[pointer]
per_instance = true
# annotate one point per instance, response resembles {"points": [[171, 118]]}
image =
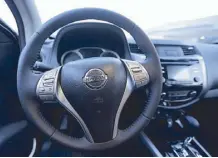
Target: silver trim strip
{"points": [[65, 103], [33, 148], [77, 51], [150, 145], [102, 49], [128, 90], [130, 86], [70, 52], [108, 52], [200, 146]]}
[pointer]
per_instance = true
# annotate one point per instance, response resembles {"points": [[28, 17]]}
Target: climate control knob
{"points": [[197, 79]]}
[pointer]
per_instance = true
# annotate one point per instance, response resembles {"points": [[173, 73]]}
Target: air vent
{"points": [[188, 50], [135, 49]]}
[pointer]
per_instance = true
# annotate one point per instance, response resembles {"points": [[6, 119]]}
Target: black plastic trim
{"points": [[8, 31], [153, 149], [19, 21], [10, 130]]}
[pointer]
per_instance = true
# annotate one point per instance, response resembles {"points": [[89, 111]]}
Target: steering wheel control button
{"points": [[51, 80], [192, 94], [49, 75], [47, 98], [48, 84], [45, 88], [41, 90], [138, 73], [136, 69]]}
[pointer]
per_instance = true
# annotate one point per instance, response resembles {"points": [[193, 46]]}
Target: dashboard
{"points": [[186, 66]]}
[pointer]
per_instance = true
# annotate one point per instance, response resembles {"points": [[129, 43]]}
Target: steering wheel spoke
{"points": [[127, 92], [49, 91], [137, 76]]}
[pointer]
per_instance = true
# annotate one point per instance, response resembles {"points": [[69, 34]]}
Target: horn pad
{"points": [[95, 87]]}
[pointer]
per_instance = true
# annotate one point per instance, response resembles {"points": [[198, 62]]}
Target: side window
{"points": [[7, 16]]}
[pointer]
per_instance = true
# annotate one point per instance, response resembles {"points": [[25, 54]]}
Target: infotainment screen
{"points": [[178, 73]]}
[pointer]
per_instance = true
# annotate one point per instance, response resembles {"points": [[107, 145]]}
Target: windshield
{"points": [[6, 15], [182, 19]]}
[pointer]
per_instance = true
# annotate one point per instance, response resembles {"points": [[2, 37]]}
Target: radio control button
{"points": [[192, 94], [164, 103], [49, 75], [47, 98], [163, 95]]}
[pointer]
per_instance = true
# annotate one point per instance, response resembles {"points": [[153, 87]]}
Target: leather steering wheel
{"points": [[76, 84]]}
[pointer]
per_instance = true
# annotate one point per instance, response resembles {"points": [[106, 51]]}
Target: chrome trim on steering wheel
{"points": [[56, 94], [137, 76], [127, 92]]}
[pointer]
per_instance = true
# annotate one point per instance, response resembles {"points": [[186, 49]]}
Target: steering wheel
{"points": [[77, 85]]}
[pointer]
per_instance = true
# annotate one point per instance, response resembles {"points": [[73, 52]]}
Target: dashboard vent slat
{"points": [[188, 50], [135, 49]]}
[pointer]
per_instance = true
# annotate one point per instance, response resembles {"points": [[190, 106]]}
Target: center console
{"points": [[184, 75], [183, 80], [177, 138], [189, 147]]}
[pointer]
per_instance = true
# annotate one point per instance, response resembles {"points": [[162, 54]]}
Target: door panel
{"points": [[9, 52]]}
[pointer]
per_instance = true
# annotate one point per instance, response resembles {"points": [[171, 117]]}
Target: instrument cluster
{"points": [[86, 52]]}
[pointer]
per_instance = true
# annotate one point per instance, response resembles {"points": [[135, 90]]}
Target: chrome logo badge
{"points": [[95, 79]]}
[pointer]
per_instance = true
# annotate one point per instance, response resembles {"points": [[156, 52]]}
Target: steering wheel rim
{"points": [[27, 91]]}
